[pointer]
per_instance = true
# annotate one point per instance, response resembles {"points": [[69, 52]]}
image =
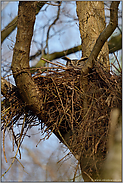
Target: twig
{"points": [[16, 150], [63, 157], [75, 171], [60, 63], [88, 176], [58, 13], [52, 63], [53, 4], [118, 62], [116, 68], [63, 140], [59, 95], [72, 105], [4, 145]]}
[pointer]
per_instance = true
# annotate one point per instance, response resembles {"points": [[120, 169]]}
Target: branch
{"points": [[114, 44], [57, 55], [28, 89], [103, 37], [13, 24], [58, 13], [8, 29]]}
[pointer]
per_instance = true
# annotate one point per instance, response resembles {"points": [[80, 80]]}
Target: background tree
{"points": [[30, 92]]}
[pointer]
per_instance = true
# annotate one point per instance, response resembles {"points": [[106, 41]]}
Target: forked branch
{"points": [[103, 37]]}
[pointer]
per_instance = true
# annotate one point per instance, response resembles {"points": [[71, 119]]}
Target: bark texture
{"points": [[20, 63], [91, 23], [29, 89], [92, 26]]}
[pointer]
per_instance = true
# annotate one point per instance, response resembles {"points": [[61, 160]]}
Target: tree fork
{"points": [[20, 63]]}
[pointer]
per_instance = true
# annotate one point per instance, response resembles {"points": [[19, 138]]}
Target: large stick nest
{"points": [[63, 106]]}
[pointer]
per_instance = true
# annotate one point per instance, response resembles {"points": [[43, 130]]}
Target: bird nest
{"points": [[63, 105]]}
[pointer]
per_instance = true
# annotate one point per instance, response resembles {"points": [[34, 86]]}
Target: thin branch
{"points": [[13, 24], [15, 153], [4, 145], [58, 13], [119, 71], [113, 44], [57, 55], [8, 29], [118, 62], [88, 176]]}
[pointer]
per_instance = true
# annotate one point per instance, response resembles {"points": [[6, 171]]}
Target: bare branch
{"points": [[13, 24], [8, 29], [58, 13], [57, 55], [114, 44]]}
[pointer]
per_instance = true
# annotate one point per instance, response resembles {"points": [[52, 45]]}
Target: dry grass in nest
{"points": [[63, 106]]}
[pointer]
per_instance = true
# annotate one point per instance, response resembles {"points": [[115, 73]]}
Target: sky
{"points": [[8, 13], [67, 38]]}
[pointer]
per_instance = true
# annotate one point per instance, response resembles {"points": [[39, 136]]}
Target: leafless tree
{"points": [[75, 103]]}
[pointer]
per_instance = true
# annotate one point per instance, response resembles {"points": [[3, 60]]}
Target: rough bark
{"points": [[20, 68], [20, 63], [28, 89], [103, 36], [91, 25], [114, 44]]}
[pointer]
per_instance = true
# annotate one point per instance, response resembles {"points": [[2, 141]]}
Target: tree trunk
{"points": [[29, 90], [91, 23]]}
